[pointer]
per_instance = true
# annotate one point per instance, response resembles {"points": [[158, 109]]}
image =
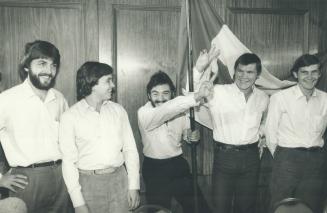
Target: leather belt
{"points": [[99, 171], [224, 146], [45, 164], [306, 149]]}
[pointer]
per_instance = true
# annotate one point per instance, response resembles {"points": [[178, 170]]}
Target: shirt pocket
{"points": [[319, 123]]}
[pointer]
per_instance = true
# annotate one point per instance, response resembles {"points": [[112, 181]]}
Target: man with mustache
{"points": [[162, 123], [296, 122], [236, 115], [100, 158], [29, 119]]}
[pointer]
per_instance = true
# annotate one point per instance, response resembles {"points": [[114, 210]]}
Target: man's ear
{"points": [[26, 69], [149, 97], [294, 74]]}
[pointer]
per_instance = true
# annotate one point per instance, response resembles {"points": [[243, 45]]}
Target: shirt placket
{"points": [[244, 112]]}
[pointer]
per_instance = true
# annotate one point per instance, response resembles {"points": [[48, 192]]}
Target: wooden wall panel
{"points": [[138, 38], [143, 50], [62, 23]]}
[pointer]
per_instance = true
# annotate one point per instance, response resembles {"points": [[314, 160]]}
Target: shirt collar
{"points": [[86, 107], [298, 93], [29, 93], [254, 89]]}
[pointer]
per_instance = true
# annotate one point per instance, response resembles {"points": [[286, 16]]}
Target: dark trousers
{"points": [[45, 192], [235, 179], [169, 178], [299, 174]]}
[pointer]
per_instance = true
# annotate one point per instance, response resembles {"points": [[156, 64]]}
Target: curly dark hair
{"points": [[160, 78]]}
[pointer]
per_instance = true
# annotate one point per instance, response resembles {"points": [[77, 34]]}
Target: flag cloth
{"points": [[208, 28]]}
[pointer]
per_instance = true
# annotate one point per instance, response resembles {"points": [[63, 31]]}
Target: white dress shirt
{"points": [[162, 127], [91, 140], [233, 119], [29, 126], [293, 121]]}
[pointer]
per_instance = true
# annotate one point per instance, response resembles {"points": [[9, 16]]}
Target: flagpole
{"points": [[191, 89]]}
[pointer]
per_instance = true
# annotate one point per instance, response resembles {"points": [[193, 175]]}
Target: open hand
{"points": [[10, 181]]}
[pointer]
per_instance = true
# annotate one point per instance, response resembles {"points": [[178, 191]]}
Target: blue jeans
{"points": [[45, 192], [106, 192], [235, 179], [299, 174]]}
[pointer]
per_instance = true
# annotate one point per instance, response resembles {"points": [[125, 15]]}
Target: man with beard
{"points": [[237, 114], [296, 122], [98, 146], [162, 123], [29, 118]]}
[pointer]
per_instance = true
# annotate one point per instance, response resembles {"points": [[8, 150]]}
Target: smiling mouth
{"points": [[45, 76], [244, 81], [310, 81]]}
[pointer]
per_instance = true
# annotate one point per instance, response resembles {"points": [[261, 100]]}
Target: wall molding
{"points": [[277, 11], [35, 4]]}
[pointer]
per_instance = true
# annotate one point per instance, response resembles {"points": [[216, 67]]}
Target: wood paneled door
{"points": [[138, 38], [62, 23]]}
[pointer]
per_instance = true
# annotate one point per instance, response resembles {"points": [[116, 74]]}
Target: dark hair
{"points": [[160, 78], [249, 58], [88, 75], [37, 49], [305, 60]]}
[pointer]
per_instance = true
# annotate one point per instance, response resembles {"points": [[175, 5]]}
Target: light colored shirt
{"points": [[233, 119], [91, 140], [293, 121], [29, 126], [162, 127]]}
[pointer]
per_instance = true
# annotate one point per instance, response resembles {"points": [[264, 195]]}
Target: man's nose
{"points": [[49, 69], [161, 97], [310, 75], [112, 85]]}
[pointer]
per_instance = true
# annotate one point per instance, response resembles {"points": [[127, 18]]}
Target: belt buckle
{"points": [[104, 171]]}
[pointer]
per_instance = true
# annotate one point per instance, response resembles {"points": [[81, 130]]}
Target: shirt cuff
{"points": [[192, 99], [134, 184], [77, 198]]}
